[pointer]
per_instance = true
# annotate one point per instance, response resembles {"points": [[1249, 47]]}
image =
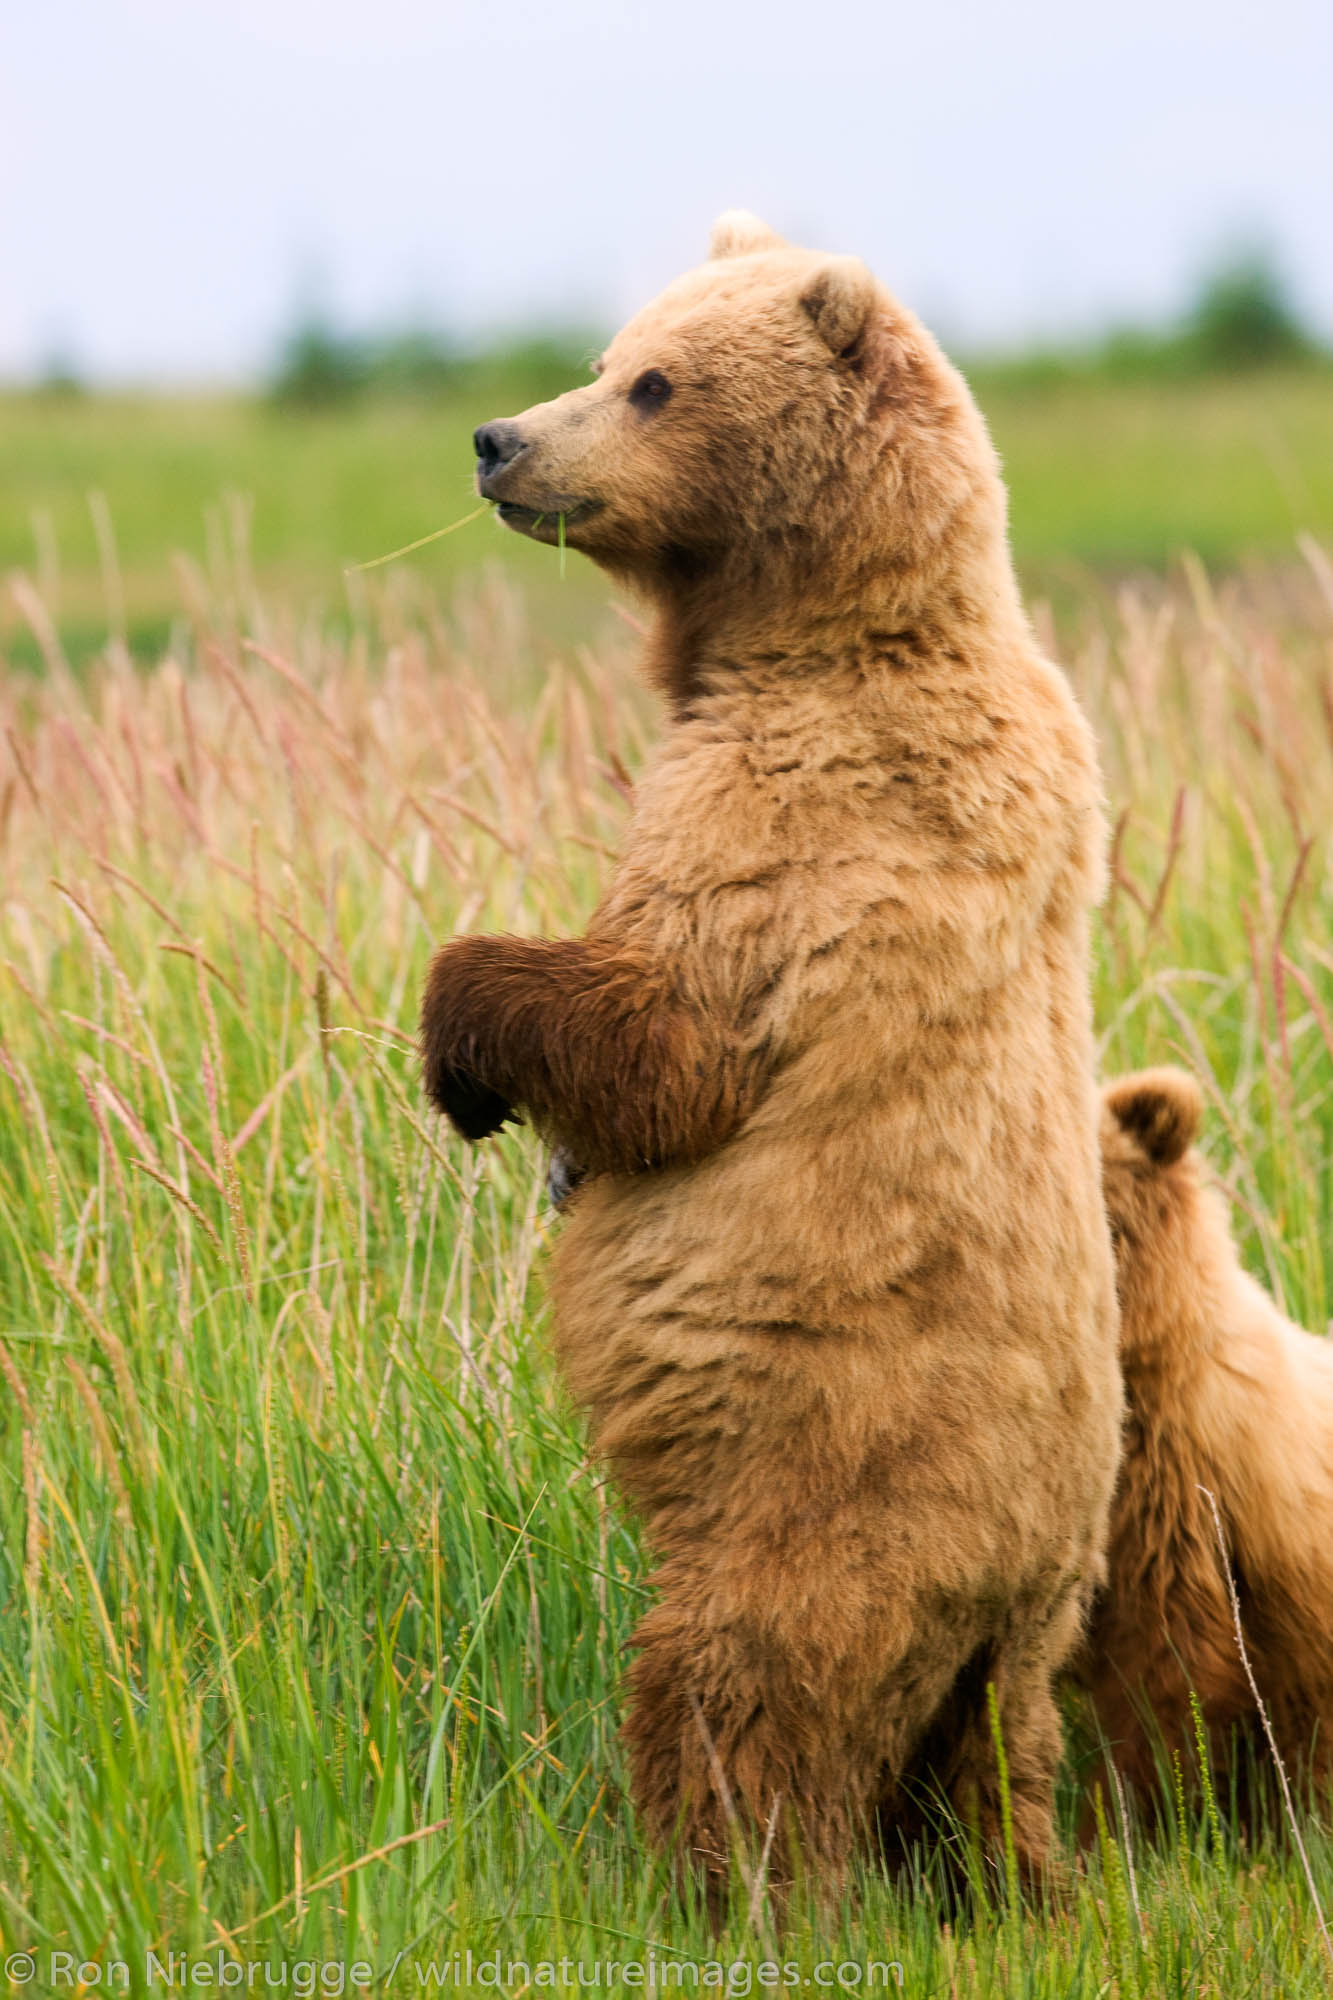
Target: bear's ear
{"points": [[737, 233], [839, 299], [1160, 1109]]}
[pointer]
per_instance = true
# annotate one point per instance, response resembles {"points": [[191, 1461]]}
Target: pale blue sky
{"points": [[174, 171]]}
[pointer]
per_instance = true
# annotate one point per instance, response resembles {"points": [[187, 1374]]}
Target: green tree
{"points": [[1243, 316]]}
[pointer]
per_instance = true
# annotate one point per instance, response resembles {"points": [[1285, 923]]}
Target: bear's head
{"points": [[774, 431], [1173, 1249]]}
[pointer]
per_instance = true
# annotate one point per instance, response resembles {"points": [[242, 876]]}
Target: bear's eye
{"points": [[650, 391]]}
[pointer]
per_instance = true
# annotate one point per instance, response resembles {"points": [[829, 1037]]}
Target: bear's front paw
{"points": [[456, 1058], [472, 1108]]}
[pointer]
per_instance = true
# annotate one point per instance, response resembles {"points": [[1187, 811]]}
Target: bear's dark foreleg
{"points": [[590, 1042]]}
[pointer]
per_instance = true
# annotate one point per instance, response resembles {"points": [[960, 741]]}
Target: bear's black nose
{"points": [[495, 444]]}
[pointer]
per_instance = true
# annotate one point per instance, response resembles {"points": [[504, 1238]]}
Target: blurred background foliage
{"points": [[1243, 318]]}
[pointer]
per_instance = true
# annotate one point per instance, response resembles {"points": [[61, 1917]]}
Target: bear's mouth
{"points": [[544, 524]]}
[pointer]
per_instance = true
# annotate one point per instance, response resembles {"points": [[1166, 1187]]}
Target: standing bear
{"points": [[1223, 1393], [837, 1291]]}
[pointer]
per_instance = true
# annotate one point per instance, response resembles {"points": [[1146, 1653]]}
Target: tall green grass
{"points": [[312, 1609]]}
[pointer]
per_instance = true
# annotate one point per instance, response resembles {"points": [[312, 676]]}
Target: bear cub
{"points": [[1224, 1393]]}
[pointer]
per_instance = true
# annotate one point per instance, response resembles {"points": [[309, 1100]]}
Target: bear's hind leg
{"points": [[1022, 1673], [730, 1752]]}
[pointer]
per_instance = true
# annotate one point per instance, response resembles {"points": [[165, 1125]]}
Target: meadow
{"points": [[312, 1608], [126, 511]]}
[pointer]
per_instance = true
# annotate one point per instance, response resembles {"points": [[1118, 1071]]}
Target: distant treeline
{"points": [[1242, 317], [318, 366]]}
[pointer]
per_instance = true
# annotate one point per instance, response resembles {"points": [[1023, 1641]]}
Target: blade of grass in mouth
{"points": [[408, 547]]}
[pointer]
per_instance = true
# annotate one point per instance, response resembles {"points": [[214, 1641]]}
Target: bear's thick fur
{"points": [[1223, 1393], [838, 1293]]}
